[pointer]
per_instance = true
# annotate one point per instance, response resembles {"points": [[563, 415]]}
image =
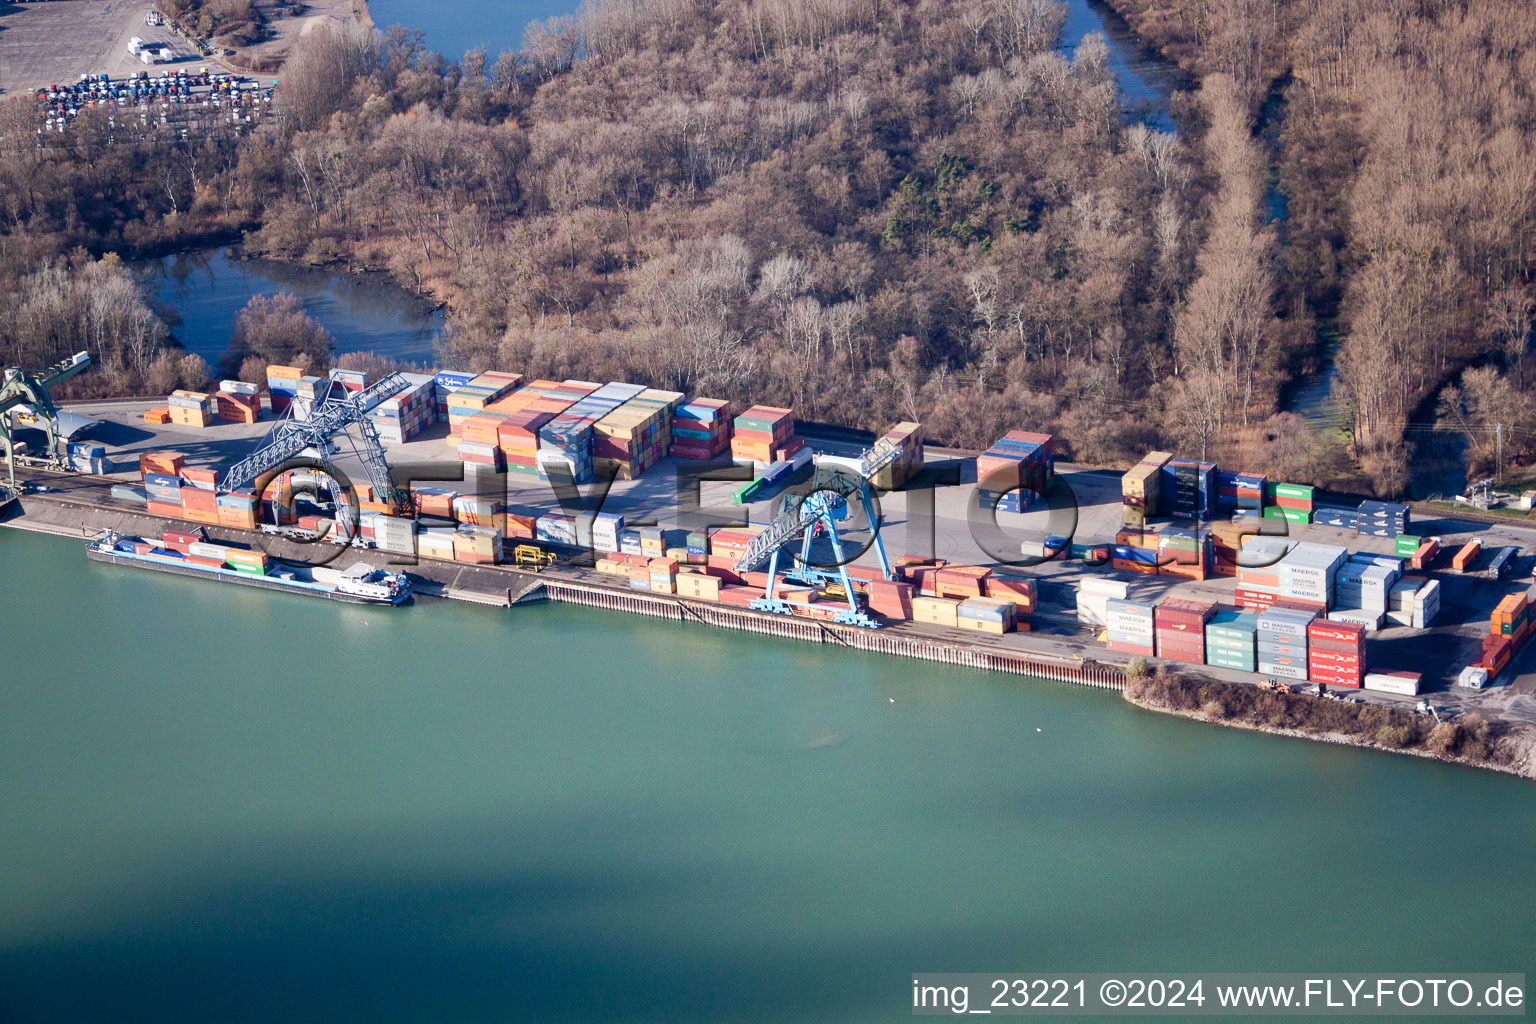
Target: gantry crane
{"points": [[290, 437], [805, 515], [30, 388]]}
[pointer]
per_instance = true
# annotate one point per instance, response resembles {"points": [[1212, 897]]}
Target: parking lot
{"points": [[44, 44]]}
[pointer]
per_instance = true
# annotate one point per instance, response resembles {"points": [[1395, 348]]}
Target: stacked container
{"points": [[985, 615], [350, 380], [445, 383], [605, 531], [436, 542], [1382, 519], [391, 533], [891, 600], [282, 386], [762, 433], [163, 494], [700, 429], [1511, 617], [1336, 653], [1309, 574], [1426, 605], [556, 528], [477, 544], [1236, 491], [906, 437], [936, 611], [1231, 640], [1181, 629], [1093, 597], [1226, 544], [1018, 589], [1365, 582], [1189, 489], [467, 400], [565, 442], [698, 585], [1131, 626], [1400, 601], [1336, 516], [237, 402], [635, 436], [1179, 545], [663, 575], [406, 415], [1015, 471], [1141, 489], [961, 581], [1291, 502], [1282, 641], [191, 408], [311, 392], [1135, 550], [200, 505], [237, 511]]}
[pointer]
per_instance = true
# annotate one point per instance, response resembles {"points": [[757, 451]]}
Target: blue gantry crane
{"points": [[292, 436], [835, 482]]}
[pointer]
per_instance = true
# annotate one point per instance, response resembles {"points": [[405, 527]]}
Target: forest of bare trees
{"points": [[1404, 135], [882, 209]]}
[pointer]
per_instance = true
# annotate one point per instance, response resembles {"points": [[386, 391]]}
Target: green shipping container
{"points": [[1294, 515], [1289, 491], [1406, 545]]}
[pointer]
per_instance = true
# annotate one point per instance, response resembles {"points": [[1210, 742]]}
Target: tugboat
{"points": [[227, 563]]}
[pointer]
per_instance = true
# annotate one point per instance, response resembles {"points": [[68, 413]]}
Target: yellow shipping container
{"points": [[697, 585], [663, 586], [936, 611], [981, 625]]}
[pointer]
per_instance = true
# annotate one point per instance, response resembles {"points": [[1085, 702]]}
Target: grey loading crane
{"points": [[291, 437], [836, 482], [30, 388]]}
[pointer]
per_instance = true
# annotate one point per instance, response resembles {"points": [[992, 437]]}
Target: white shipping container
{"points": [[1119, 589], [1283, 671], [1474, 676], [1388, 683]]}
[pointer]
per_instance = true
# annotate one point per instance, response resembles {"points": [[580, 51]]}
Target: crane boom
{"points": [[289, 437]]}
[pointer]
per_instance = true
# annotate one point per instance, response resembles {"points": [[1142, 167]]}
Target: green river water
{"points": [[230, 805]]}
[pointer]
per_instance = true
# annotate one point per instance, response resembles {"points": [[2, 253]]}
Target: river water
{"points": [[228, 805]]}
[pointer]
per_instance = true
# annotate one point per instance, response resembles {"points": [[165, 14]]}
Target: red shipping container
{"points": [[739, 595], [1117, 645], [1182, 608], [182, 540], [161, 508], [1330, 630]]}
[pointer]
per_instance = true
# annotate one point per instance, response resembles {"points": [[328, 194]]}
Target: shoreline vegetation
{"points": [[1473, 741]]}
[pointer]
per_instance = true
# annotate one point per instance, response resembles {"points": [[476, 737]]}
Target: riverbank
{"points": [[1505, 747]]}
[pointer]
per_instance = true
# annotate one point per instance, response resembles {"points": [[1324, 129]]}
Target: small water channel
{"points": [[206, 289]]}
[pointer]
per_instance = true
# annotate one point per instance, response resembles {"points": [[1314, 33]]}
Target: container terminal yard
{"points": [[480, 466]]}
